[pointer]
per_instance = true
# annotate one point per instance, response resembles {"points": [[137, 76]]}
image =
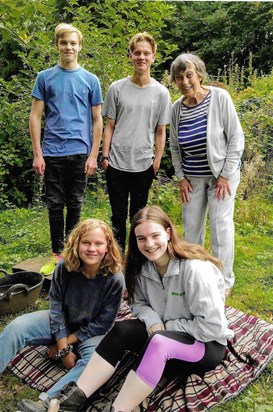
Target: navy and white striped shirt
{"points": [[192, 137]]}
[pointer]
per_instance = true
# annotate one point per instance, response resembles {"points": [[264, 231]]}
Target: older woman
{"points": [[206, 142]]}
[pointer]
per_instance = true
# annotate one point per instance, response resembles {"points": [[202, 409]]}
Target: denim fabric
{"points": [[34, 329], [65, 184], [85, 350], [122, 185]]}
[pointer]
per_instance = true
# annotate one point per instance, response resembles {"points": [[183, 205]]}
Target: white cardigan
{"points": [[225, 137]]}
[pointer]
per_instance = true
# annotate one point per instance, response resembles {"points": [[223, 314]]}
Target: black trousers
{"points": [[122, 186], [65, 183]]}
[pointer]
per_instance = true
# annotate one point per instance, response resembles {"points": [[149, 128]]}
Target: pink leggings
{"points": [[161, 349], [171, 352]]}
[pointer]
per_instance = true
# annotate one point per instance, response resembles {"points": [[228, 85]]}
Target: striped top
{"points": [[192, 137]]}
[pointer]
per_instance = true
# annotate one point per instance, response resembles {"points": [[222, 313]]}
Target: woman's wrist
{"points": [[61, 353], [225, 178]]}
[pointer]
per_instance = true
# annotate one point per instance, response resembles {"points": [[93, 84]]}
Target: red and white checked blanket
{"points": [[246, 357]]}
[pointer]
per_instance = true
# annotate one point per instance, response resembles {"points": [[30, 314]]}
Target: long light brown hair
{"points": [[112, 261], [177, 247]]}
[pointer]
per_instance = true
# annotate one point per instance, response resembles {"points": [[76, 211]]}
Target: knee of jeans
{"points": [[85, 354], [74, 210], [55, 209], [82, 362], [18, 326]]}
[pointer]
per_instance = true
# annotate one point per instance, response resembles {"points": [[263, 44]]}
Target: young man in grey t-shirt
{"points": [[138, 110]]}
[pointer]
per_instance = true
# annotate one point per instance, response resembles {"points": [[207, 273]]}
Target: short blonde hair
{"points": [[142, 37], [182, 61], [63, 28], [112, 261]]}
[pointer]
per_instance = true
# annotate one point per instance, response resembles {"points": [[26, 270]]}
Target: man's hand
{"points": [[90, 166], [104, 164], [156, 165], [39, 165]]}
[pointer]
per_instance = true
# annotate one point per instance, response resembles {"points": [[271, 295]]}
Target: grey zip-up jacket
{"points": [[189, 298], [225, 137]]}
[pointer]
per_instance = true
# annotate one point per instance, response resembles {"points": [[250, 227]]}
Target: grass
{"points": [[24, 234]]}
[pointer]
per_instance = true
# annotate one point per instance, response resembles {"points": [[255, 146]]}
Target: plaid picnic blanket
{"points": [[246, 357]]}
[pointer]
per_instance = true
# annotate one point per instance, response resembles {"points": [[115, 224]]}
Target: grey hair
{"points": [[180, 63]]}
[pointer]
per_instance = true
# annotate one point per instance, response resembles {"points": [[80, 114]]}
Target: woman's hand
{"points": [[222, 188], [52, 350], [69, 360], [154, 328], [185, 189]]}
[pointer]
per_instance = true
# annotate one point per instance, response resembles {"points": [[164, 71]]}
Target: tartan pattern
{"points": [[246, 357]]}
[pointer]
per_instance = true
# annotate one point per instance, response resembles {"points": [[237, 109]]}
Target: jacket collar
{"points": [[149, 269]]}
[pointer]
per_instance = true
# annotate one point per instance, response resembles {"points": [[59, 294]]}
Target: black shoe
{"points": [[71, 398]]}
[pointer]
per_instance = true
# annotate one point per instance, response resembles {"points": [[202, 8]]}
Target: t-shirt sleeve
{"points": [[109, 108], [96, 96], [166, 107], [39, 88]]}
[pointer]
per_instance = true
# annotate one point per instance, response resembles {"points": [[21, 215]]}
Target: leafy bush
{"points": [[27, 47]]}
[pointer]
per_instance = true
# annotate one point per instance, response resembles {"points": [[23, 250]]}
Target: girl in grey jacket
{"points": [[176, 291]]}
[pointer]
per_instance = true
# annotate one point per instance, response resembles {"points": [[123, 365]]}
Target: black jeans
{"points": [[65, 184], [120, 186]]}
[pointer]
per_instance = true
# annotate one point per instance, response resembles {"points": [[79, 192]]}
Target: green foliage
{"points": [[165, 193], [27, 47], [224, 33], [20, 63], [255, 106], [15, 164]]}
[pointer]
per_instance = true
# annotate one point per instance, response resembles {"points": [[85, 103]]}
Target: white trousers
{"points": [[221, 214]]}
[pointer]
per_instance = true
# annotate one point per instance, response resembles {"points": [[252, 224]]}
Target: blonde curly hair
{"points": [[112, 261]]}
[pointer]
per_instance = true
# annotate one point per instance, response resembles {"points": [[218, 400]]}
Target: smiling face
{"points": [[68, 46], [142, 57], [188, 81], [92, 249], [152, 241]]}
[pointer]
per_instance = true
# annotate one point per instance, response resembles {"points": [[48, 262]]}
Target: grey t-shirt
{"points": [[137, 112]]}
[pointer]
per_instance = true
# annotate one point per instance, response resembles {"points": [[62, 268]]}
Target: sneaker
{"points": [[71, 399], [48, 268]]}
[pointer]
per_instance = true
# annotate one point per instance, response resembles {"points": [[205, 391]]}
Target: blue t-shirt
{"points": [[68, 96]]}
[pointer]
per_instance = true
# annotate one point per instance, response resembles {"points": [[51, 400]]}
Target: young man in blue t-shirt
{"points": [[70, 98]]}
